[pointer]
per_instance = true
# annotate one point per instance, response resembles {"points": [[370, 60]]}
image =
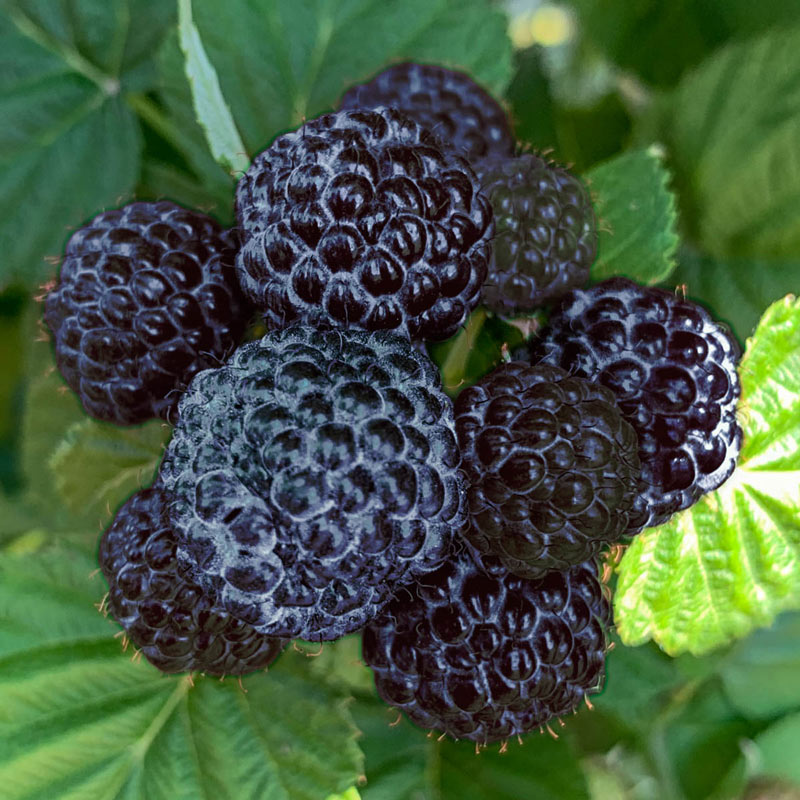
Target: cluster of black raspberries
{"points": [[319, 481]]}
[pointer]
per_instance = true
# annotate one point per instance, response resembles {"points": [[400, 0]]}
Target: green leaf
{"points": [[474, 350], [12, 306], [159, 180], [654, 39], [98, 465], [702, 742], [658, 40], [540, 767], [292, 61], [50, 408], [174, 120], [80, 719], [637, 681], [400, 760], [730, 563], [338, 664], [760, 674], [351, 794], [776, 750], [210, 107], [69, 145], [636, 217], [533, 109], [737, 290], [403, 763], [734, 133]]}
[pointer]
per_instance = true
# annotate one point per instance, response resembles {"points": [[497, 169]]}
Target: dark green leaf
{"points": [[761, 673], [730, 563], [734, 132], [403, 763], [400, 760], [776, 750], [293, 61], [636, 217], [658, 40], [160, 181], [69, 145], [81, 719], [339, 664], [531, 103], [50, 408], [540, 767], [12, 347], [737, 291], [702, 741], [638, 679]]}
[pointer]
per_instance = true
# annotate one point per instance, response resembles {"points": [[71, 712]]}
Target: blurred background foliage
{"points": [[715, 85]]}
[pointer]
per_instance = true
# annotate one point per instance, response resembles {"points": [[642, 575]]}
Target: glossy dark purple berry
{"points": [[313, 473], [672, 369], [178, 626], [552, 467], [146, 297], [546, 235], [359, 220], [462, 115], [481, 654]]}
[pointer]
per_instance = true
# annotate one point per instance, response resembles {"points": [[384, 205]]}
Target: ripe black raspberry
{"points": [[147, 296], [448, 103], [338, 478], [546, 236], [673, 371], [178, 627], [551, 464], [360, 220], [484, 655]]}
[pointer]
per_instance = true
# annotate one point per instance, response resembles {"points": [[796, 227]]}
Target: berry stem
{"points": [[455, 365]]}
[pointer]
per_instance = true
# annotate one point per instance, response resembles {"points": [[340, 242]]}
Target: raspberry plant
{"points": [[689, 156]]}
